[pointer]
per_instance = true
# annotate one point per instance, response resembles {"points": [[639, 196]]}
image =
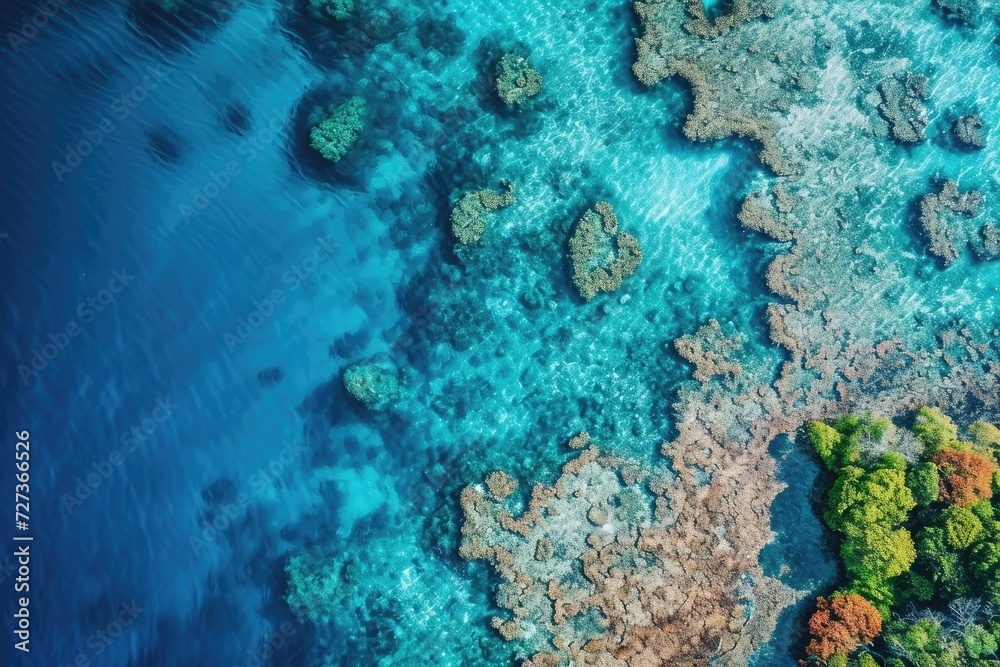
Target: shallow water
{"points": [[242, 254]]}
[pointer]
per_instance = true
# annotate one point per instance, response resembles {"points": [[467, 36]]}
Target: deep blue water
{"points": [[197, 245]]}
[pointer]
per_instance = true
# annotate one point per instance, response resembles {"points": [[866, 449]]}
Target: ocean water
{"points": [[190, 282]]}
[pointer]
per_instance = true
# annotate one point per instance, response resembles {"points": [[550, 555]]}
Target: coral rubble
{"points": [[601, 254]]}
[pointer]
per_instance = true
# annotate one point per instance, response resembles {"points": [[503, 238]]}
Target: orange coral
{"points": [[966, 476], [842, 624]]}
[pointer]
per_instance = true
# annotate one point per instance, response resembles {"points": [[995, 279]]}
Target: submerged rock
{"points": [[376, 384], [236, 118]]}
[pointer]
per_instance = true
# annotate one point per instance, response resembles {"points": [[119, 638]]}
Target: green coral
{"points": [[827, 442], [925, 483], [978, 642], [861, 500], [373, 383], [961, 527], [335, 135], [934, 429], [340, 10], [517, 80], [468, 218], [985, 434], [597, 267]]}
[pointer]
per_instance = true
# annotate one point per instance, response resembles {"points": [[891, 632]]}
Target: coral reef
{"points": [[768, 213], [339, 10], [715, 61], [987, 246], [711, 352], [740, 12], [374, 383], [943, 499], [969, 131], [334, 135], [593, 575], [960, 11], [316, 585], [468, 218], [902, 104], [842, 624], [790, 84], [517, 80], [602, 256], [938, 219]]}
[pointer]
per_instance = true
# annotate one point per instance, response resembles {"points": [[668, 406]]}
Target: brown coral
{"points": [[501, 485], [768, 213], [711, 352], [842, 624], [671, 589]]}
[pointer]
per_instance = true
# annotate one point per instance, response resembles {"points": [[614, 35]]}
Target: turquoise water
{"points": [[502, 360]]}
